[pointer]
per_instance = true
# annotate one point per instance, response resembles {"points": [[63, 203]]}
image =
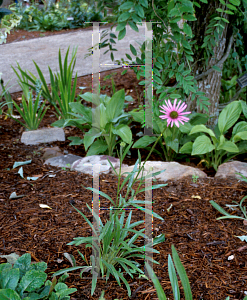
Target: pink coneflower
{"points": [[174, 114]]}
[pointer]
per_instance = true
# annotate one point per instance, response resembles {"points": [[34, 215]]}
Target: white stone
{"points": [[173, 170], [46, 135], [229, 169], [85, 165]]}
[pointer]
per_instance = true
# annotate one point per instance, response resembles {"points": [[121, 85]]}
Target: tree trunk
{"points": [[211, 83], [6, 3]]}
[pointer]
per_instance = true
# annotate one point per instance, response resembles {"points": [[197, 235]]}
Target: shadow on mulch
{"points": [[203, 243]]}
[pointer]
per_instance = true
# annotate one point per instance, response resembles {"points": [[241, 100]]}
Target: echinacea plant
{"points": [[115, 248], [172, 135]]}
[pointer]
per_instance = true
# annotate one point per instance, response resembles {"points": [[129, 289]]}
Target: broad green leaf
{"points": [[126, 5], [144, 141], [90, 136], [115, 105], [123, 17], [32, 280], [186, 148], [9, 294], [229, 116], [124, 132], [228, 146], [240, 136], [202, 145], [98, 147], [202, 128], [9, 278], [239, 127]]}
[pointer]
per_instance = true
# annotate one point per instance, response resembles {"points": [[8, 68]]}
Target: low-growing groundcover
{"points": [[204, 244]]}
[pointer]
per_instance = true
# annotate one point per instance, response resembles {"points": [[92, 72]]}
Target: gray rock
{"points": [[173, 170], [62, 161], [46, 135], [84, 165], [229, 169]]}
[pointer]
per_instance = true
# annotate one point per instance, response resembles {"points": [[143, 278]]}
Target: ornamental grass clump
{"points": [[116, 250]]}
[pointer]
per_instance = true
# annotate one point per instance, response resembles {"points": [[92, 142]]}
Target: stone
{"points": [[51, 152], [46, 135], [62, 161], [173, 171], [229, 169], [84, 165]]}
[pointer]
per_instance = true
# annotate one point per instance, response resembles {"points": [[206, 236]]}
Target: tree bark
{"points": [[209, 80]]}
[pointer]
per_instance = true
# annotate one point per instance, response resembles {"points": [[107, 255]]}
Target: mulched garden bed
{"points": [[203, 243]]}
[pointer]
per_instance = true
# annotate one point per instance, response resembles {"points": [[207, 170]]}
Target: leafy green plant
{"points": [[194, 178], [113, 122], [30, 113], [221, 150], [63, 77], [113, 246], [173, 138], [22, 280]]}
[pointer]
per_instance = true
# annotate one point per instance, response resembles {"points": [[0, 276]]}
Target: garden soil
{"points": [[204, 244]]}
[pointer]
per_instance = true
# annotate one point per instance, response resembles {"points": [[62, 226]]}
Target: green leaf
{"points": [[8, 294], [202, 128], [126, 5], [186, 148], [219, 208], [139, 10], [173, 278], [123, 17], [182, 274], [158, 287], [228, 146], [231, 6], [115, 105], [235, 2], [133, 50], [229, 116], [133, 26], [239, 127], [122, 34], [144, 141], [144, 3], [9, 278], [32, 280], [187, 29], [217, 69], [98, 147], [124, 132], [202, 145], [121, 26], [240, 136]]}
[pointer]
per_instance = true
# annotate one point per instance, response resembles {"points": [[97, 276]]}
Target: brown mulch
{"points": [[203, 243]]}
